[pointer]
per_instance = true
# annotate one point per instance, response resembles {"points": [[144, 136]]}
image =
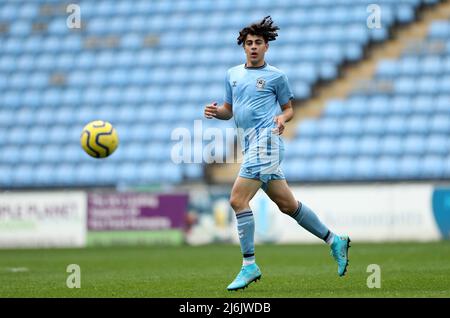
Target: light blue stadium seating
{"points": [[391, 146], [387, 168], [439, 29], [127, 173], [440, 124], [410, 167], [17, 136], [438, 145], [342, 168], [85, 174], [414, 145], [298, 169], [364, 168], [149, 173], [433, 167], [351, 126], [369, 146], [10, 155], [373, 125], [397, 136], [23, 175], [6, 175], [65, 174], [324, 147], [148, 89], [171, 172], [347, 146], [401, 105], [44, 175], [51, 154], [387, 68]]}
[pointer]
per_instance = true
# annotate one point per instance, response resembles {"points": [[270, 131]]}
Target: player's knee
{"points": [[237, 203], [287, 207]]}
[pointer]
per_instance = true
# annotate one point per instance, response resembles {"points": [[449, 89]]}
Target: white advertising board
{"points": [[400, 212], [43, 219]]}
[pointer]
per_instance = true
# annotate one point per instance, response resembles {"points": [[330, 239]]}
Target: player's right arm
{"points": [[223, 112]]}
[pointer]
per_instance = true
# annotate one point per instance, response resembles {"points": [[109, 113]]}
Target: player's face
{"points": [[255, 47]]}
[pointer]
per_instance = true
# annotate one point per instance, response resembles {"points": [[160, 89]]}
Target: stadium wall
{"points": [[368, 213], [79, 219], [43, 219]]}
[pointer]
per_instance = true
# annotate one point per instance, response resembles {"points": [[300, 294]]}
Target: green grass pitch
{"points": [[293, 271]]}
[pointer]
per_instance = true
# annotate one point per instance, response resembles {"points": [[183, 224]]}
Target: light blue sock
{"points": [[246, 231], [309, 220]]}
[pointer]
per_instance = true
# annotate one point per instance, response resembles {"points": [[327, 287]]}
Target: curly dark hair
{"points": [[264, 28]]}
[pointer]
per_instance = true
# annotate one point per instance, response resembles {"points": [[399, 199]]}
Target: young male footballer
{"points": [[259, 96]]}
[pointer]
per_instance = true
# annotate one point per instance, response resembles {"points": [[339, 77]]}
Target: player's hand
{"points": [[211, 110], [280, 122]]}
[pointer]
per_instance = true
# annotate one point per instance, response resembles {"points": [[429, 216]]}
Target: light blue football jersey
{"points": [[256, 95]]}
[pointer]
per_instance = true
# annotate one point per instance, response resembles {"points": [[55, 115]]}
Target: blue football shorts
{"points": [[262, 165]]}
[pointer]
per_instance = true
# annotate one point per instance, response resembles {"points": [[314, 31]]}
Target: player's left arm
{"points": [[283, 118]]}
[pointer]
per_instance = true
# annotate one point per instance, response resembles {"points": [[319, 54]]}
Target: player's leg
{"points": [[280, 193], [243, 191]]}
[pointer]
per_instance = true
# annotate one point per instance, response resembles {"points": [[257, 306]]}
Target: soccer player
{"points": [[259, 96]]}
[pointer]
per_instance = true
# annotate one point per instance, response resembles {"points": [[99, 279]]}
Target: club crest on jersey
{"points": [[260, 83]]}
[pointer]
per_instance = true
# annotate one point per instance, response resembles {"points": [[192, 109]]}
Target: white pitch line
{"points": [[17, 269]]}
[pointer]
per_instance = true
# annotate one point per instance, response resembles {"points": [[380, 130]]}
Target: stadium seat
{"points": [[10, 155], [433, 167], [410, 167], [342, 169], [391, 146], [298, 170], [193, 171], [405, 13], [431, 66], [418, 124], [85, 173], [30, 154], [171, 173], [17, 136], [415, 145], [44, 175], [25, 62], [351, 126], [369, 146], [439, 29], [6, 175], [364, 168], [303, 147], [328, 127], [373, 125], [387, 168], [320, 169], [335, 108], [24, 117], [51, 154], [440, 124], [23, 175], [423, 105], [387, 69], [149, 173], [127, 173], [347, 146], [324, 147], [307, 127], [438, 145]]}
